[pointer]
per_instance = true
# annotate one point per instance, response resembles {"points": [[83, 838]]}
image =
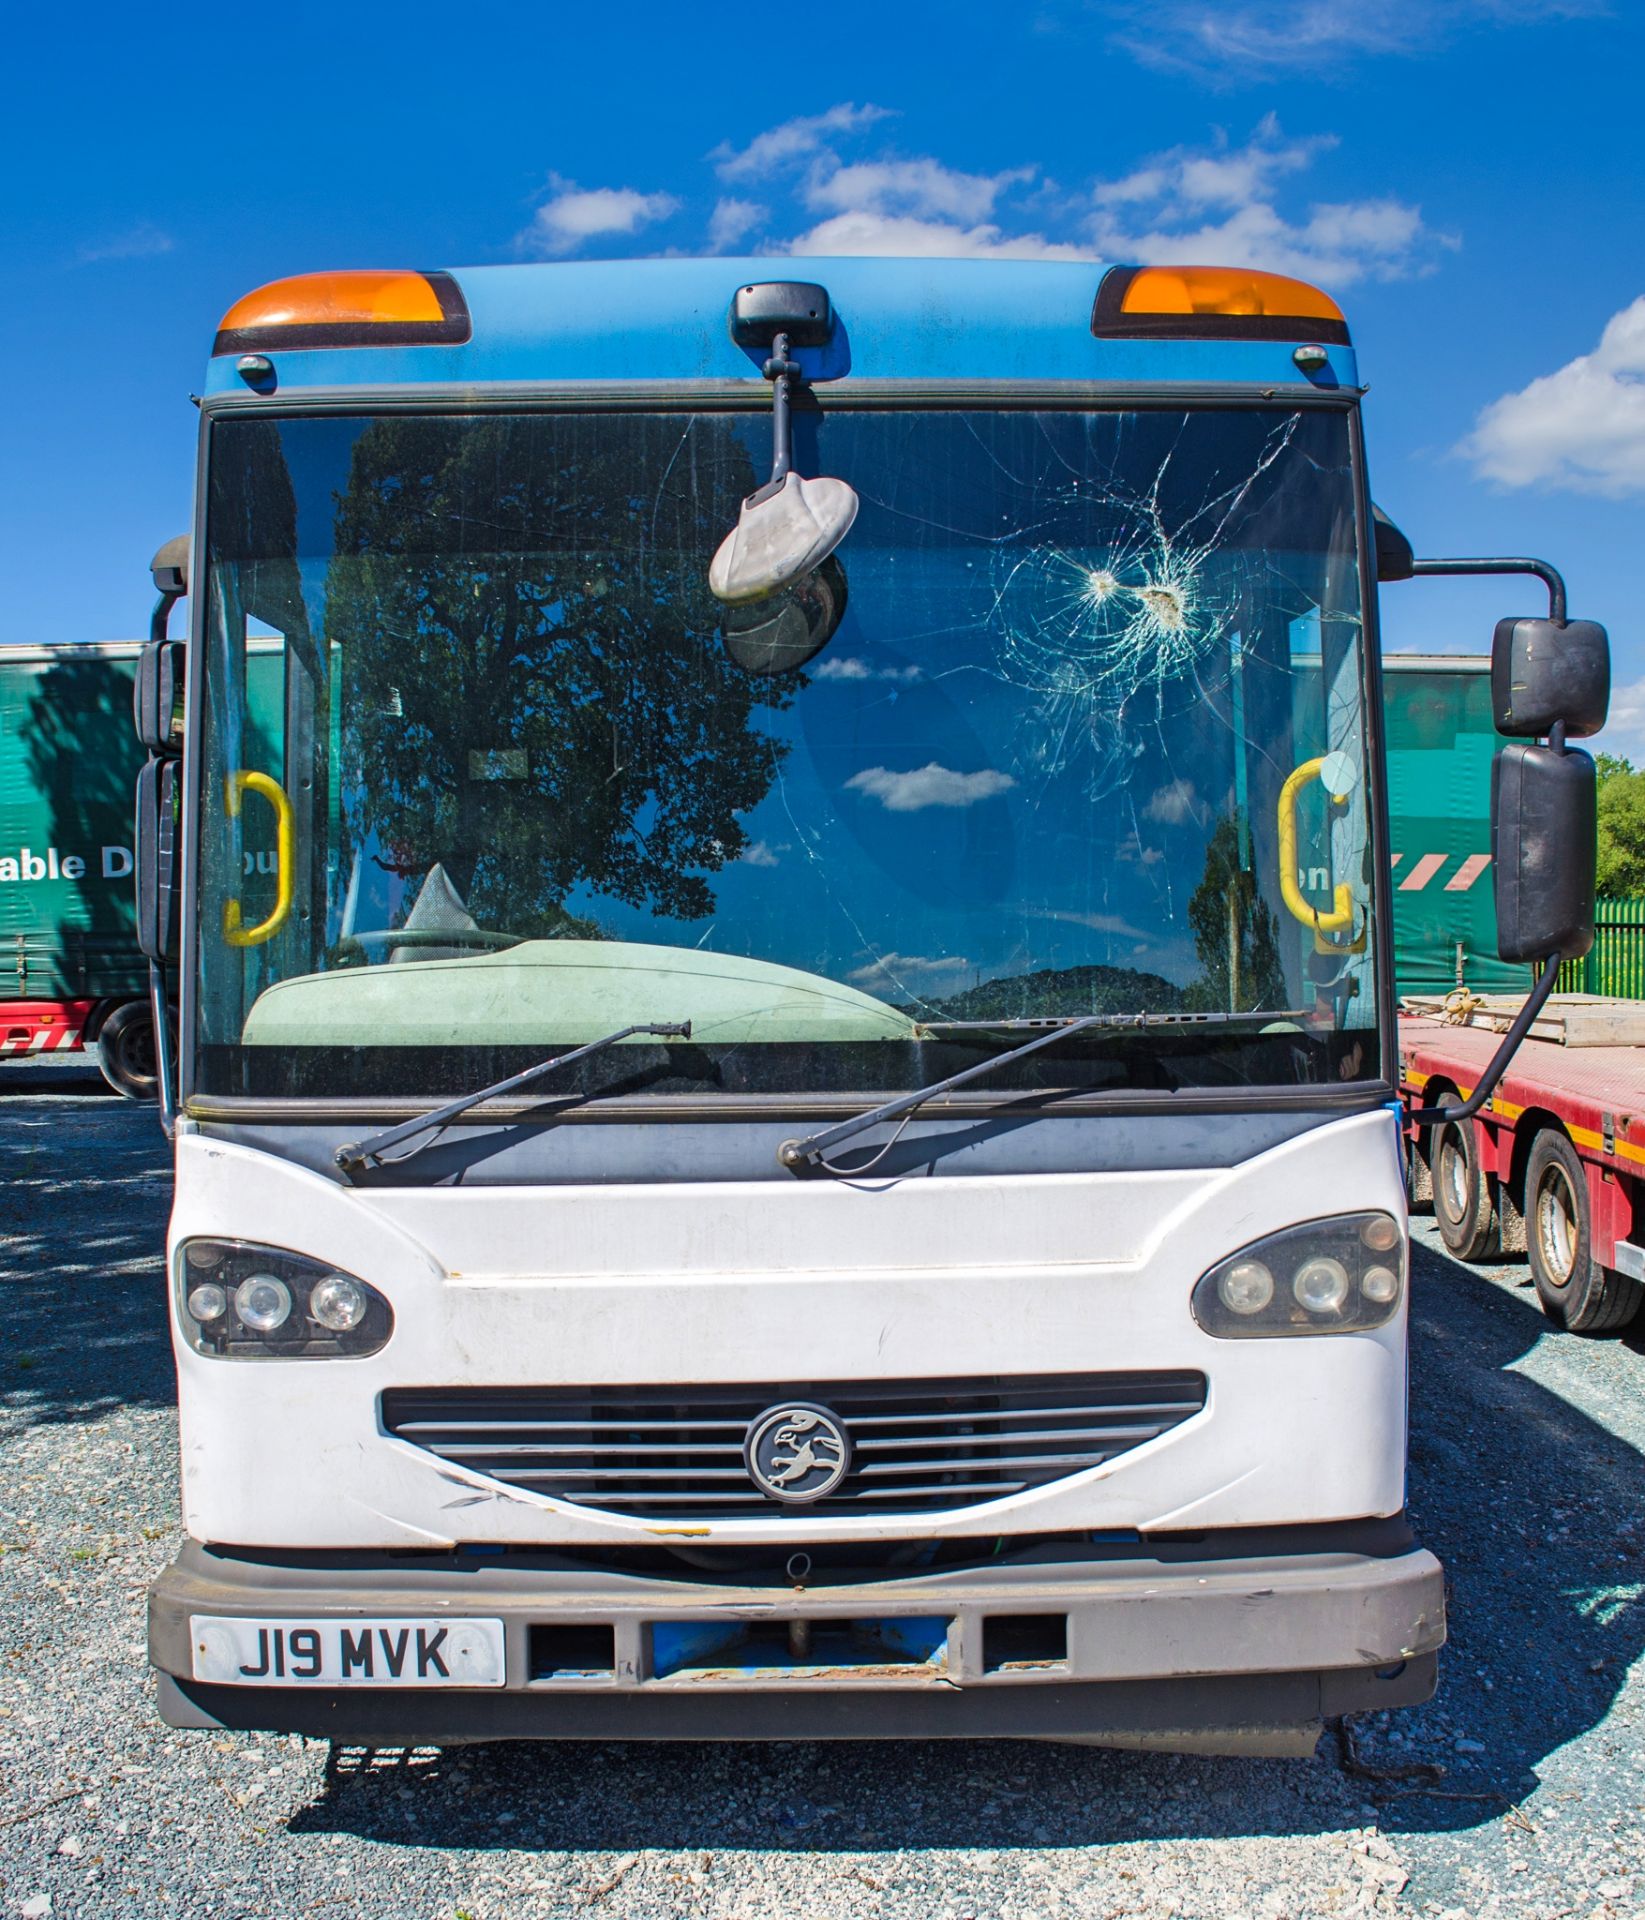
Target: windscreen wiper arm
{"points": [[796, 1153], [359, 1153]]}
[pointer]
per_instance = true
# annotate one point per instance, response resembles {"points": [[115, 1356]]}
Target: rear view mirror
{"points": [[1543, 824], [157, 696], [157, 873], [1547, 673]]}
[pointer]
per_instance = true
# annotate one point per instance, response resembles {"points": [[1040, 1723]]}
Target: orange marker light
{"points": [[1213, 303], [372, 308]]}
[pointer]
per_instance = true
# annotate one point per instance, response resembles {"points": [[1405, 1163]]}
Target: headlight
{"points": [[1343, 1275], [244, 1302]]}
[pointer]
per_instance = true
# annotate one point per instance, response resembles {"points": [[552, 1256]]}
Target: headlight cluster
{"points": [[1342, 1275], [245, 1302]]}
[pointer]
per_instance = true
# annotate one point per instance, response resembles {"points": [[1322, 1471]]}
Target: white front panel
{"points": [[777, 1282]]}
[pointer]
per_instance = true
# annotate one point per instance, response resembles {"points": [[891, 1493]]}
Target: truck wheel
{"points": [[125, 1051], [1464, 1203], [1576, 1292]]}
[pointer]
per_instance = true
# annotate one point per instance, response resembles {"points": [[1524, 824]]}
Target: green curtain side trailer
{"points": [[1441, 741], [70, 972]]}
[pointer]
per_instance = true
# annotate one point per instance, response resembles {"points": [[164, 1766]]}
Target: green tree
{"points": [[1621, 827], [1235, 935], [537, 694]]}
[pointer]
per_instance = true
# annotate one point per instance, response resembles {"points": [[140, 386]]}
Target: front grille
{"points": [[918, 1446]]}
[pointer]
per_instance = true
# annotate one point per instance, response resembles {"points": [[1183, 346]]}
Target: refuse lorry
{"points": [[800, 1137], [71, 974]]}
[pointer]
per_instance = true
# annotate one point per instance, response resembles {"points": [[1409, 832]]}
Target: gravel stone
{"points": [[1518, 1791]]}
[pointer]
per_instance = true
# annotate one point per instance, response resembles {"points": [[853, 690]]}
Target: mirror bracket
{"points": [[1549, 575]]}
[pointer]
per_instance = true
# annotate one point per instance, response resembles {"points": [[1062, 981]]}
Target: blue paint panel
{"points": [[682, 1647], [901, 320]]}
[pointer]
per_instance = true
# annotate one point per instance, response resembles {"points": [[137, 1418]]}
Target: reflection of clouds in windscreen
{"points": [[1172, 804], [910, 974], [851, 668], [929, 786]]}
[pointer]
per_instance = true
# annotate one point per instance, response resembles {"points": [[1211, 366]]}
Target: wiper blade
{"points": [[796, 1153], [360, 1153]]}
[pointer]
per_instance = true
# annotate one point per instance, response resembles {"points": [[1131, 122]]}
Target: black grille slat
{"points": [[919, 1446]]}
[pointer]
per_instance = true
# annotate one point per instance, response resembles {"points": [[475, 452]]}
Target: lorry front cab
{"points": [[705, 1380]]}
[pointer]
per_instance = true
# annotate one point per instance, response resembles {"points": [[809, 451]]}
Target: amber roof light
{"points": [[1213, 303], [370, 308]]}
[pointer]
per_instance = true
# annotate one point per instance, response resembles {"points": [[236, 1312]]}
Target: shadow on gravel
{"points": [[1537, 1512], [85, 1188]]}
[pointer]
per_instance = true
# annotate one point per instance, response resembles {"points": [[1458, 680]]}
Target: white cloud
{"points": [[576, 214], [794, 140], [924, 187], [1253, 37], [1172, 804], [1581, 427], [875, 233], [851, 668], [140, 242], [909, 973], [1625, 724], [732, 220], [758, 854], [929, 786], [1218, 204]]}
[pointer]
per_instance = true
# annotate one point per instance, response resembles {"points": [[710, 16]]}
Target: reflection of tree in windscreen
{"points": [[536, 693], [1235, 936]]}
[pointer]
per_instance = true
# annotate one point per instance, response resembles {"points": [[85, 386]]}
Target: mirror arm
{"points": [[160, 1014], [160, 619], [1535, 1000], [1549, 575]]}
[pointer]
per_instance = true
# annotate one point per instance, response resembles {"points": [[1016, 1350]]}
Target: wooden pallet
{"points": [[1568, 1020]]}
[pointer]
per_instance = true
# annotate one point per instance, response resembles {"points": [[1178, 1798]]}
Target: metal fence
{"points": [[1615, 963]]}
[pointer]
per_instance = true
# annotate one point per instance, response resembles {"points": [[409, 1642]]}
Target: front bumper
{"points": [[1243, 1642]]}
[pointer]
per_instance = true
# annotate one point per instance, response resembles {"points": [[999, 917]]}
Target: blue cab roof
{"points": [[905, 320]]}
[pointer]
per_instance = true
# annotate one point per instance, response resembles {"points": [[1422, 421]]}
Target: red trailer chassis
{"points": [[1552, 1167], [43, 1026]]}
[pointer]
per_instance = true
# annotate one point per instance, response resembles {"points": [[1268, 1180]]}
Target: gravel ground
{"points": [[1519, 1790]]}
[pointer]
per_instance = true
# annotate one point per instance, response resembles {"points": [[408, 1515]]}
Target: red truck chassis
{"points": [[1554, 1166]]}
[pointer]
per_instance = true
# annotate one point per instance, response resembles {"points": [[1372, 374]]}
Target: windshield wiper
{"points": [[796, 1153], [359, 1153]]}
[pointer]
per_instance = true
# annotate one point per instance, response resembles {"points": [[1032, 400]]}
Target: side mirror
{"points": [[1543, 825], [169, 567], [1395, 557], [157, 874], [157, 697], [1548, 673]]}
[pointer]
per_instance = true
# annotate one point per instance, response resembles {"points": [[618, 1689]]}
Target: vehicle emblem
{"points": [[797, 1452]]}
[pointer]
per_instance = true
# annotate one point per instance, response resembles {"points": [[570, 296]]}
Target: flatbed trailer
{"points": [[1554, 1165]]}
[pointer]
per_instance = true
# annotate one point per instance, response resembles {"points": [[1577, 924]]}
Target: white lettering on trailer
{"points": [[25, 865]]}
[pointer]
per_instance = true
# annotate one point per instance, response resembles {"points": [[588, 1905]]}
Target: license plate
{"points": [[347, 1653]]}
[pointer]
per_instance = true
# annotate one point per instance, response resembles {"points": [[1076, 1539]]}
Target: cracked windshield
{"points": [[1072, 723]]}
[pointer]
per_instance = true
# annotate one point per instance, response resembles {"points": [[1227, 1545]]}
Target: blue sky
{"points": [[1463, 174]]}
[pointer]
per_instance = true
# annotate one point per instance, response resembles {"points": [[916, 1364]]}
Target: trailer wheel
{"points": [[125, 1051], [1576, 1292], [1464, 1202]]}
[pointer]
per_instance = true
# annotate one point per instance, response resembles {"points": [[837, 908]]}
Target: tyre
{"points": [[1464, 1198], [125, 1051], [1576, 1292]]}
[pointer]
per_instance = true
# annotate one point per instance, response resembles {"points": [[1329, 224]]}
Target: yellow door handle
{"points": [[244, 781], [1340, 917]]}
